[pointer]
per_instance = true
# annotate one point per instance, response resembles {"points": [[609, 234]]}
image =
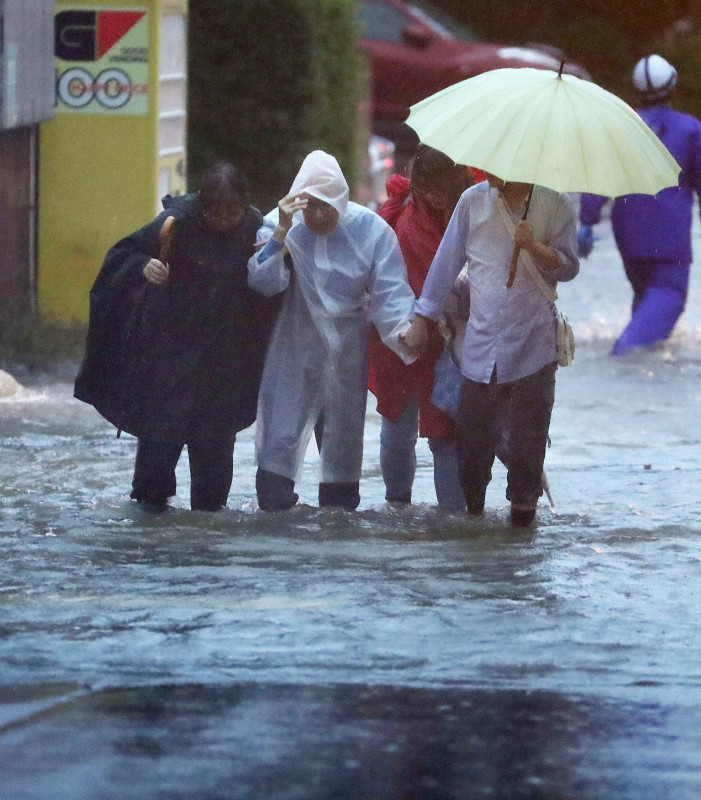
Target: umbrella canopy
{"points": [[535, 126]]}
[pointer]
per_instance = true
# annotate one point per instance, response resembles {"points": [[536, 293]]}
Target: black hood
{"points": [[186, 204]]}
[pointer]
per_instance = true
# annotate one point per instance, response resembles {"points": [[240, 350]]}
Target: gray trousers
{"points": [[522, 408]]}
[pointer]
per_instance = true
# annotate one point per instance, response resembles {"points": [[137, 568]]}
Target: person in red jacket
{"points": [[419, 210]]}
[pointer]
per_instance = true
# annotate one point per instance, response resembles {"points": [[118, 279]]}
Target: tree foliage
{"points": [[270, 81], [606, 36]]}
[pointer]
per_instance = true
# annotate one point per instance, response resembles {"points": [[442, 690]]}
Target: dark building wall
{"points": [[17, 215], [26, 98]]}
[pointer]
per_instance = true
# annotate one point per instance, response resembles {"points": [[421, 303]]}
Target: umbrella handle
{"points": [[512, 267], [514, 257], [165, 237]]}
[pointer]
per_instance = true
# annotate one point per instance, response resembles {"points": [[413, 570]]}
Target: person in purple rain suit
{"points": [[653, 234]]}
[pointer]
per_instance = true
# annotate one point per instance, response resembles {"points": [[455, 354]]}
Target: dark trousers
{"points": [[211, 469], [485, 410]]}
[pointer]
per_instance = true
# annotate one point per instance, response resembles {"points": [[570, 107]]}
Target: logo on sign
{"points": [[112, 88], [102, 60], [90, 35]]}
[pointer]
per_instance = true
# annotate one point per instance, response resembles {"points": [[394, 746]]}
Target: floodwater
{"points": [[379, 654]]}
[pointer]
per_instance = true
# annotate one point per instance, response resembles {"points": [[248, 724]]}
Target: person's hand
{"points": [[585, 241], [416, 338], [286, 210], [156, 271], [523, 235]]}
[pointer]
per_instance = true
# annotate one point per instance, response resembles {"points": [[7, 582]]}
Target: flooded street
{"points": [[381, 654]]}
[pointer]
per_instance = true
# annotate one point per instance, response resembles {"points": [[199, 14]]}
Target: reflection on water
{"points": [[344, 741], [387, 653]]}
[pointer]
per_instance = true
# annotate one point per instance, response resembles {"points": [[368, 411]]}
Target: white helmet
{"points": [[654, 77]]}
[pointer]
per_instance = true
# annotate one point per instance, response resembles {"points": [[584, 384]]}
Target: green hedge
{"points": [[270, 81]]}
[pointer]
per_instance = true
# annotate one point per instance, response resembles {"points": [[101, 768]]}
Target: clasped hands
{"points": [[416, 338]]}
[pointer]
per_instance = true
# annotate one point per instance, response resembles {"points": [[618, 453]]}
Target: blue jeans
{"points": [[398, 460]]}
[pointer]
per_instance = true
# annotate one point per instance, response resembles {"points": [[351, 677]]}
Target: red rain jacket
{"points": [[391, 380]]}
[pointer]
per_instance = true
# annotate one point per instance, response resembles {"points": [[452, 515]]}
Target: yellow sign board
{"points": [[117, 141]]}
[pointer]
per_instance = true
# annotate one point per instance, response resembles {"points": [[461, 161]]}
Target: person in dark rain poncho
{"points": [[175, 350]]}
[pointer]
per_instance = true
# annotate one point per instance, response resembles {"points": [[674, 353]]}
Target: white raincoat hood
{"points": [[321, 177]]}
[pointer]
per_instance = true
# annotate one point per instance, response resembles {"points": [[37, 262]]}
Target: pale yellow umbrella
{"points": [[539, 127], [548, 129]]}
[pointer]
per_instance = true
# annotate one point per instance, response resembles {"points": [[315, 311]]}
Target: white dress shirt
{"points": [[512, 329]]}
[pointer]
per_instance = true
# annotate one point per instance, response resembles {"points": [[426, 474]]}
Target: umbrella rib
{"points": [[630, 168], [515, 165], [619, 152], [545, 128], [578, 129]]}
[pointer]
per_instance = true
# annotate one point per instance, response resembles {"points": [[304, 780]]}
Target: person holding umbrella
{"points": [[509, 354], [177, 339], [653, 234], [543, 134]]}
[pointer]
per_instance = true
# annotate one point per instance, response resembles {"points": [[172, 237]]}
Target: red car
{"points": [[412, 55]]}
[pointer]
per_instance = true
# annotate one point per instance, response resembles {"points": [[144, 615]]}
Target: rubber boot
{"points": [[154, 473], [345, 495], [153, 506], [653, 320], [403, 499], [275, 492], [475, 501], [522, 514]]}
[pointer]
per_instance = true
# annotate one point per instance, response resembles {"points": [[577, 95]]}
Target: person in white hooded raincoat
{"points": [[344, 272]]}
